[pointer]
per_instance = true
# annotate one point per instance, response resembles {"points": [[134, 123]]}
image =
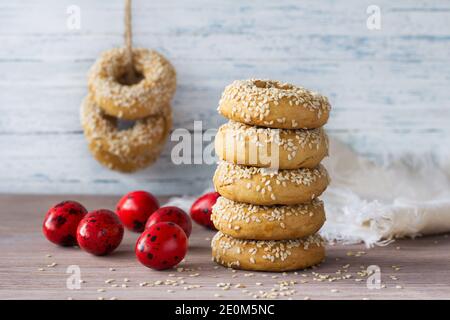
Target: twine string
{"points": [[131, 75]]}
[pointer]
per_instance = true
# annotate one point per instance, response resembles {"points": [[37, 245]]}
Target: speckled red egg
{"points": [[134, 208], [100, 232], [61, 222], [171, 214], [162, 246], [201, 209]]}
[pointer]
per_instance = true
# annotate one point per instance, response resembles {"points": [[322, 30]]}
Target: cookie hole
{"points": [[123, 124], [129, 79], [272, 84], [120, 124]]}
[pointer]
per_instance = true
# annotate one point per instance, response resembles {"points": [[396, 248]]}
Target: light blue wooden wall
{"points": [[390, 89]]}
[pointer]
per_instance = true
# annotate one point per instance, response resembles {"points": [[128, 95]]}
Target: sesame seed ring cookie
{"points": [[132, 101], [265, 147], [248, 221], [263, 255], [269, 103], [124, 150], [263, 186]]}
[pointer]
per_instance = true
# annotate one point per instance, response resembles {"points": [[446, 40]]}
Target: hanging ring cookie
{"points": [[266, 147], [261, 255], [247, 221], [124, 150], [268, 187], [132, 101], [273, 104]]}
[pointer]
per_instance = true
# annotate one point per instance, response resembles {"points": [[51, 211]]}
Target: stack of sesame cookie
{"points": [[270, 176]]}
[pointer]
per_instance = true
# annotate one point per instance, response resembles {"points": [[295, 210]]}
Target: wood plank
{"points": [[423, 266], [277, 47], [63, 164], [203, 17], [52, 105]]}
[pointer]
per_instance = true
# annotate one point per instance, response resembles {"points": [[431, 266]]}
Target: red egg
{"points": [[171, 214], [61, 222], [134, 209], [100, 232], [162, 246], [202, 208]]}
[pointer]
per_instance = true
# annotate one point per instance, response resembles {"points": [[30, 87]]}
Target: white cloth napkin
{"points": [[374, 204]]}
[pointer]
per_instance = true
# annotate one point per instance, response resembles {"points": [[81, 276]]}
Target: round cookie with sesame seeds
{"points": [[266, 147], [247, 221], [132, 101], [273, 104], [263, 255], [124, 150], [264, 186]]}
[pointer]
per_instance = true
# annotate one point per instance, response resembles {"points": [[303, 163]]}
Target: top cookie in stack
{"points": [[273, 104], [270, 176]]}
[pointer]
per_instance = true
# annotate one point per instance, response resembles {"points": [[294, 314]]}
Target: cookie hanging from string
{"points": [[134, 86]]}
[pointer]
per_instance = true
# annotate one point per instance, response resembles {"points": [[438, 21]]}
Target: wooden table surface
{"points": [[33, 268]]}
